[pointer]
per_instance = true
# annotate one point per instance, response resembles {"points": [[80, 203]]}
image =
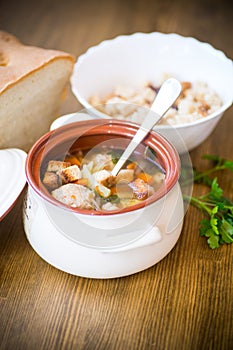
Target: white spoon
{"points": [[168, 93]]}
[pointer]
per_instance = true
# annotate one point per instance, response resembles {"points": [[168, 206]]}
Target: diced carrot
{"points": [[73, 160], [146, 177], [131, 166], [84, 182]]}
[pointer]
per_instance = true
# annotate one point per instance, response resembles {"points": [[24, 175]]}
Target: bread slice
{"points": [[32, 82]]}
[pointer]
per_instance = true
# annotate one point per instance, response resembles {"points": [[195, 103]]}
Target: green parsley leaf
{"points": [[216, 191], [213, 242], [228, 165], [205, 228], [226, 231], [218, 226], [213, 157], [214, 220], [113, 199]]}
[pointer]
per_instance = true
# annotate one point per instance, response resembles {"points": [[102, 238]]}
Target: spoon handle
{"points": [[168, 93]]}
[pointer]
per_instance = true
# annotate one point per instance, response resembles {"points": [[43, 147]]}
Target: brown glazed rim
{"points": [[166, 153]]}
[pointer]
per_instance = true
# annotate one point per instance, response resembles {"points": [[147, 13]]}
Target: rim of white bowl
{"points": [[216, 52]]}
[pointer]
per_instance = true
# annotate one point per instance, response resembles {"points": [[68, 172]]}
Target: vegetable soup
{"points": [[85, 180]]}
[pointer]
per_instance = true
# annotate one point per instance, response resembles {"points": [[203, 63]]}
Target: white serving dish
{"points": [[131, 60]]}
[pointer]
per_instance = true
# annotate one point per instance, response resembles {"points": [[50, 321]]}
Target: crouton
{"points": [[104, 177], [51, 180], [70, 174], [57, 165]]}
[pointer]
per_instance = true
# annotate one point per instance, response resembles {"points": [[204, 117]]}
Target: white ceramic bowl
{"points": [[85, 135], [131, 60]]}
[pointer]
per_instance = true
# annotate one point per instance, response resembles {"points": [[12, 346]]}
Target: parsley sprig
{"points": [[218, 164], [218, 226]]}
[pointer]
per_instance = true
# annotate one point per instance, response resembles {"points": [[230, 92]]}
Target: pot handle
{"points": [[153, 236]]}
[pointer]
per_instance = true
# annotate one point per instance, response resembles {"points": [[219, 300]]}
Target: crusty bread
{"points": [[32, 82]]}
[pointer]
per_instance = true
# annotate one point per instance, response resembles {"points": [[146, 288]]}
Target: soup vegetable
{"points": [[86, 182]]}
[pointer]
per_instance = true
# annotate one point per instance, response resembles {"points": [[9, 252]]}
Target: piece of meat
{"points": [[74, 195], [141, 190], [51, 180]]}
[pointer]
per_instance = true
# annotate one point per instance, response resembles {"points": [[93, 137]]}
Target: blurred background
{"points": [[81, 19], [81, 24]]}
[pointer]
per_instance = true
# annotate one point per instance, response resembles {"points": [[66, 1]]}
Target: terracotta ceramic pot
{"points": [[135, 220]]}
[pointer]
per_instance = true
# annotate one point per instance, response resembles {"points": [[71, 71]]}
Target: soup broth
{"points": [[85, 181]]}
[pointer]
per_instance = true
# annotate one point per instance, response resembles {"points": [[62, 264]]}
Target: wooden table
{"points": [[183, 302]]}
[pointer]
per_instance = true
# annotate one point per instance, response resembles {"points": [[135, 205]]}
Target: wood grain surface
{"points": [[183, 302]]}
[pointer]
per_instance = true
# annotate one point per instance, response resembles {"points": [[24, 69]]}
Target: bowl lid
{"points": [[13, 178]]}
